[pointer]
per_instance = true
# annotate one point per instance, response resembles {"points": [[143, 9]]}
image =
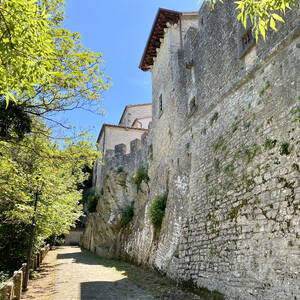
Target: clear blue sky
{"points": [[119, 30]]}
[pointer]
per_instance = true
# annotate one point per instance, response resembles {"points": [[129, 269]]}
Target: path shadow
{"points": [[105, 290], [150, 280]]}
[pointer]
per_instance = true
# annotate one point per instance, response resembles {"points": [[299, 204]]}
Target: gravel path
{"points": [[80, 276]]}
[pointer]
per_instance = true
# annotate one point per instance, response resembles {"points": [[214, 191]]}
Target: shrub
{"points": [[128, 215], [269, 144], [119, 170], [90, 197], [55, 240], [284, 148], [3, 277], [140, 176], [157, 209]]}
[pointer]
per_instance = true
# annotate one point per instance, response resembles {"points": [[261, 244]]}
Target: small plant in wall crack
{"points": [[214, 118], [157, 209], [140, 176]]}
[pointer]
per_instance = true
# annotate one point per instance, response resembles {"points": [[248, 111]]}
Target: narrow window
{"points": [[160, 104], [192, 105], [247, 38]]}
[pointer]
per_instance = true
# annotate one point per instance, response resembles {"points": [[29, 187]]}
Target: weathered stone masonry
{"points": [[230, 161]]}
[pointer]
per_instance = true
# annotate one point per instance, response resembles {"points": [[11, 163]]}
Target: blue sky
{"points": [[119, 30]]}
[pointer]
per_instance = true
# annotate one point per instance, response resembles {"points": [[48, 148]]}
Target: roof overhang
{"points": [[163, 17]]}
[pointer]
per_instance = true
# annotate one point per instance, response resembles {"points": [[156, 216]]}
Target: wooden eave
{"points": [[163, 17]]}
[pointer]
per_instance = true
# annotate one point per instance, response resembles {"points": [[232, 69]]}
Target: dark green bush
{"points": [[90, 197], [55, 240], [157, 209], [140, 176], [128, 215], [119, 170]]}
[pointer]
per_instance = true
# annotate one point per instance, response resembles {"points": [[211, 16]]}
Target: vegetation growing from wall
{"points": [[140, 176], [90, 197], [157, 209], [127, 215]]}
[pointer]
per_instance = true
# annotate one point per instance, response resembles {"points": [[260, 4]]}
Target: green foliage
{"points": [[207, 177], [251, 152], [218, 143], [269, 144], [55, 240], [261, 93], [217, 165], [14, 121], [214, 118], [127, 215], [263, 15], [229, 169], [36, 164], [90, 197], [44, 66], [140, 176], [3, 277], [284, 148], [120, 170], [296, 112], [234, 127], [157, 209]]}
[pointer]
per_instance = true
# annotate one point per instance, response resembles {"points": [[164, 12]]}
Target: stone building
{"points": [[133, 123], [224, 143]]}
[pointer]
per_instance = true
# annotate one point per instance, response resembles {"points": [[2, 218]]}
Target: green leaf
{"points": [[277, 17]]}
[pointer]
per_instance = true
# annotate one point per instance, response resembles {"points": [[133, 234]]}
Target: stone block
{"points": [[120, 150], [135, 145]]}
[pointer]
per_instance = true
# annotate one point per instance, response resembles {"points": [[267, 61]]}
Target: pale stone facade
{"points": [[137, 112], [225, 144]]}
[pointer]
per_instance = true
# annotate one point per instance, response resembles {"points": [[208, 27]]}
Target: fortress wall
{"points": [[233, 210], [231, 164]]}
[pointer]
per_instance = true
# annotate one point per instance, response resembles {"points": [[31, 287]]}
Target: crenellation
{"points": [[120, 150]]}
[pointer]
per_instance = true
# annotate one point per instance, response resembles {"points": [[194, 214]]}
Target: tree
{"points": [[43, 66], [263, 14], [33, 164]]}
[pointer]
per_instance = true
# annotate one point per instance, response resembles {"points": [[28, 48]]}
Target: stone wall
{"points": [[231, 163], [117, 191]]}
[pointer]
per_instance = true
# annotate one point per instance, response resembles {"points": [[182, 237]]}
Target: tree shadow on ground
{"points": [[151, 281], [121, 289]]}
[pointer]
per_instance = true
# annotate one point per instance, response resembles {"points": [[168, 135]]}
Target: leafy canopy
{"points": [[263, 14], [33, 165], [43, 64]]}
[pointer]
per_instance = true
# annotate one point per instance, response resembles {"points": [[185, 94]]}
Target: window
{"points": [[247, 38], [160, 104], [192, 106], [246, 41]]}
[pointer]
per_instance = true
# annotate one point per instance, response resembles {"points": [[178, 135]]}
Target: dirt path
{"points": [[69, 273], [42, 287]]}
